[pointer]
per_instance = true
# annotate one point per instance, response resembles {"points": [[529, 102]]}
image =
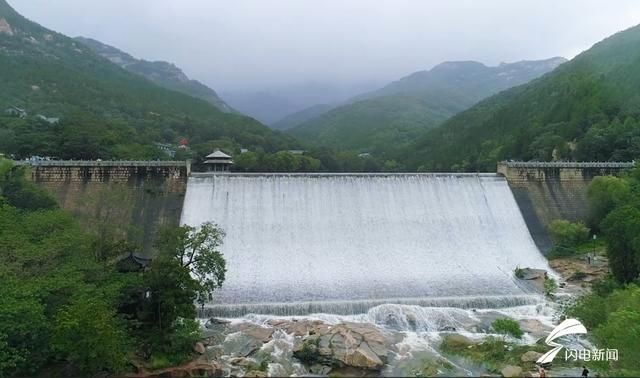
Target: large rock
{"points": [[532, 274], [363, 357], [511, 371], [530, 356], [256, 374], [345, 345], [456, 340], [212, 322], [199, 348], [260, 333], [535, 327]]}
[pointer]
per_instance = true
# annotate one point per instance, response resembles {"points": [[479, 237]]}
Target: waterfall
{"points": [[343, 243]]}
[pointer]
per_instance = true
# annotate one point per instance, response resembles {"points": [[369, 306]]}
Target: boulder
{"points": [[199, 348], [511, 371], [318, 369], [534, 327], [259, 333], [240, 361], [530, 356], [457, 340], [215, 321], [255, 374], [532, 274], [363, 357]]}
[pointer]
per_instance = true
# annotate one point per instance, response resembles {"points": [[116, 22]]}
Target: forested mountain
{"points": [[164, 74], [398, 113], [274, 104], [586, 109], [262, 105], [298, 118], [104, 110]]}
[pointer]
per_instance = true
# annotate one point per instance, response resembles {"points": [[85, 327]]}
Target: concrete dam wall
{"points": [[557, 190], [123, 197], [137, 198]]}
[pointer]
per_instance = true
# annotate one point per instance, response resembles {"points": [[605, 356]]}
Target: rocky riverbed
{"points": [[388, 340], [406, 342]]}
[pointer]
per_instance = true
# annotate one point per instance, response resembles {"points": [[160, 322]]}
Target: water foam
{"points": [[343, 244]]}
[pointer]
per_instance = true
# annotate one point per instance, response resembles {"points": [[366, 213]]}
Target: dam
{"points": [[343, 243]]}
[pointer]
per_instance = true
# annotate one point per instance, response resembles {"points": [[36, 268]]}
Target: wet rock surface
{"points": [[262, 346]]}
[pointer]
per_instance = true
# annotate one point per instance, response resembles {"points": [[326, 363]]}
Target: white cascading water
{"points": [[343, 243]]}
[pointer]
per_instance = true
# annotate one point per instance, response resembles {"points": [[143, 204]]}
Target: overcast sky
{"points": [[258, 44]]}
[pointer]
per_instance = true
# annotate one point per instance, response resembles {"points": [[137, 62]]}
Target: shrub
{"points": [[507, 326], [519, 272], [550, 286], [567, 234]]}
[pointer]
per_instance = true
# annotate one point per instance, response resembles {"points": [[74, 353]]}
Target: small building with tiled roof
{"points": [[218, 161]]}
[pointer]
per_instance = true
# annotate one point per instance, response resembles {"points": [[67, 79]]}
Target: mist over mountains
{"points": [[272, 104], [401, 110]]}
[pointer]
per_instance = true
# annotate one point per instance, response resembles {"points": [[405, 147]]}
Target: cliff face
{"points": [[132, 200]]}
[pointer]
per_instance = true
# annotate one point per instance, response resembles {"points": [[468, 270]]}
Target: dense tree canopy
{"points": [[62, 303]]}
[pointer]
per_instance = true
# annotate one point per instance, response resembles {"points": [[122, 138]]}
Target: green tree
{"points": [[188, 267], [604, 194], [23, 329], [622, 332], [613, 318], [88, 334], [20, 193], [197, 251], [622, 229], [568, 234]]}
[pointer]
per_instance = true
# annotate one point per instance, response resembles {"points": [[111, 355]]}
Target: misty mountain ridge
{"points": [[397, 113], [588, 109], [273, 104], [164, 74], [104, 111], [468, 75]]}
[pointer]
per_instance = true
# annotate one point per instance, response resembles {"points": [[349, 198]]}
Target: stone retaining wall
{"points": [[548, 191], [134, 198]]}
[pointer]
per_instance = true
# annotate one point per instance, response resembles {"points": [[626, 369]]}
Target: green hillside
{"points": [[298, 118], [164, 74], [375, 125], [104, 110], [587, 109], [393, 116]]}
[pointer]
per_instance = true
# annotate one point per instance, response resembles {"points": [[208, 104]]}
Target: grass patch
{"points": [[581, 249], [493, 353], [158, 363]]}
